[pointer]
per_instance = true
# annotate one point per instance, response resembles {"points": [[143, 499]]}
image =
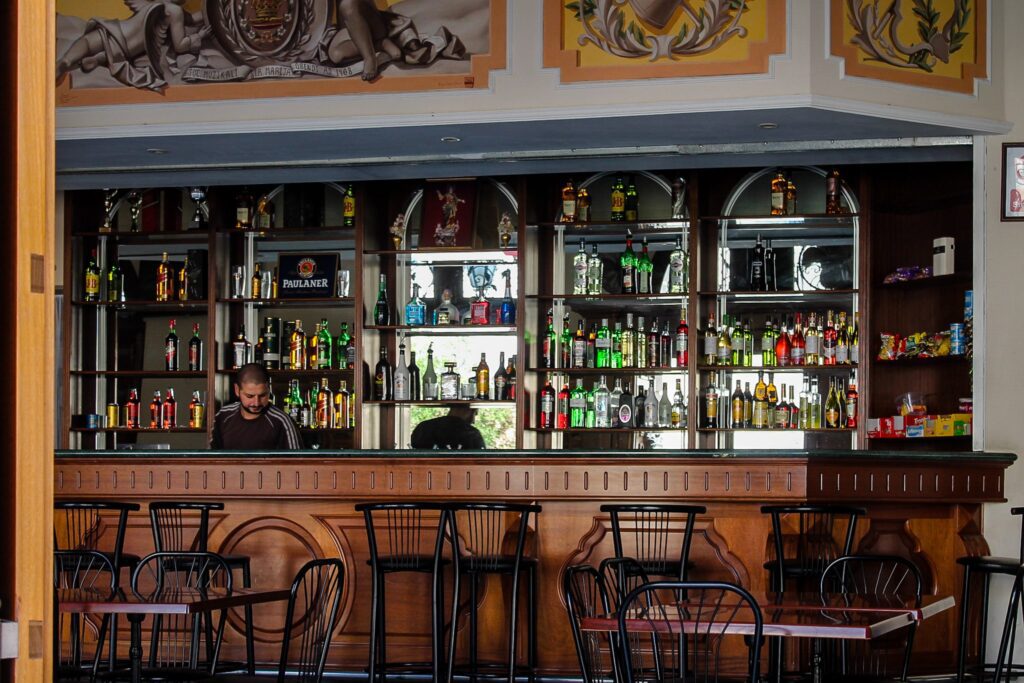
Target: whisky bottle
{"points": [[711, 405], [677, 419], [790, 197], [312, 345], [383, 380], [293, 402], [644, 270], [265, 210], [568, 202], [595, 273], [618, 200], [833, 187], [783, 411], [654, 347], [430, 385], [346, 349], [91, 291], [115, 283], [778, 188], [737, 407], [164, 285], [169, 411], [156, 414], [171, 348], [348, 207], [450, 384], [632, 205], [241, 350], [546, 414], [582, 205], [507, 308], [324, 347], [256, 282], [297, 348], [760, 407], [131, 410], [244, 209], [677, 270], [185, 281], [381, 310], [402, 380], [196, 411], [325, 406], [483, 379], [341, 401], [772, 398]]}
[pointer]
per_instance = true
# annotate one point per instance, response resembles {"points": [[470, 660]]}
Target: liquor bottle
{"points": [[324, 347], [804, 417], [651, 407], [381, 310], [748, 344], [449, 383], [348, 207], [640, 406], [736, 402], [833, 187], [591, 358], [640, 344], [618, 200], [833, 412], [546, 415], [664, 407], [483, 379], [625, 410], [666, 342], [629, 344], [430, 385], [783, 347], [628, 264], [748, 406], [164, 285], [783, 411], [790, 197], [582, 205], [760, 407], [244, 209], [579, 347], [297, 348], [682, 340], [401, 379], [854, 342], [312, 345], [293, 402], [778, 188], [794, 410], [771, 283], [510, 386], [814, 403], [171, 348], [677, 270], [414, 378], [590, 415], [115, 282], [772, 401], [184, 280], [768, 345], [325, 417], [632, 205], [603, 346], [613, 403], [797, 344], [602, 404], [549, 345], [654, 346], [579, 269], [842, 341], [446, 313], [501, 380], [677, 419], [562, 407], [812, 343], [264, 219], [710, 342], [711, 405], [577, 405], [196, 411], [91, 291], [568, 202], [241, 350], [507, 309], [346, 349], [566, 339], [830, 340], [256, 282], [739, 359], [758, 283], [169, 411], [723, 346], [415, 310], [341, 399], [156, 412], [595, 273], [383, 378], [131, 410], [644, 269], [616, 357], [851, 402], [309, 408]]}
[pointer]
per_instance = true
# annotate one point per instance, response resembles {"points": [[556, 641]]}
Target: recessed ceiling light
{"points": [[156, 150], [767, 125], [450, 138]]}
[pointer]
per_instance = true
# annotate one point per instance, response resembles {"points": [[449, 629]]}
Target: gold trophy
{"points": [[109, 199], [505, 230]]}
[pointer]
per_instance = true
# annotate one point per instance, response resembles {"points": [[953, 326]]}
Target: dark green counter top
{"points": [[987, 456]]}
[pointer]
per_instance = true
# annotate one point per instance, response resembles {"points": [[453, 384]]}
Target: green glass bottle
{"points": [[324, 347]]}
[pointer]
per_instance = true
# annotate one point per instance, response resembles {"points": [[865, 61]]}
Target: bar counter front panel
{"points": [[283, 508]]}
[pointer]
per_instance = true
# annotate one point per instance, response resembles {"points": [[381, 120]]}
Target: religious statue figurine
{"points": [[445, 233], [109, 200], [397, 231], [134, 208], [505, 230]]}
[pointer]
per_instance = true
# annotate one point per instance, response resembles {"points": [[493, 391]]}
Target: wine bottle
{"points": [[501, 380], [507, 309], [383, 379], [171, 348], [430, 385], [414, 378], [195, 350], [546, 415], [381, 310]]}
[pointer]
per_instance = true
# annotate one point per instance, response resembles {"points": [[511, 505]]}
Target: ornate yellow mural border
{"points": [[969, 71], [481, 65], [568, 61]]}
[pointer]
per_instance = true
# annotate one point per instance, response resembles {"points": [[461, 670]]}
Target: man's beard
{"points": [[258, 410]]}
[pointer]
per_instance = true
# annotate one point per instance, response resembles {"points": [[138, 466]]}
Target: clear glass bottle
{"points": [[449, 383], [580, 265], [613, 403], [678, 415], [402, 389], [677, 268], [415, 310], [651, 407], [577, 405], [602, 404], [664, 407], [446, 313], [595, 273], [430, 384], [507, 309]]}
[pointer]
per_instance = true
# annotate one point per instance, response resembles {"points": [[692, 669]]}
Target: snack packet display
{"points": [[888, 349]]}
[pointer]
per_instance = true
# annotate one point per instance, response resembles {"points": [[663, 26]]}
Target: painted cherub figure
{"points": [[119, 44], [368, 32]]}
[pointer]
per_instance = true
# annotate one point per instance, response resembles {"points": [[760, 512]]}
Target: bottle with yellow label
{"points": [[164, 280], [348, 207]]}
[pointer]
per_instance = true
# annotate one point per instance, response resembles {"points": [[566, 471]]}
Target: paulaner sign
{"points": [[307, 275]]}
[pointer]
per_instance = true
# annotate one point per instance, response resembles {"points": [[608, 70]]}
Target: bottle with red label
{"points": [[171, 348], [168, 411], [783, 347], [562, 408], [131, 410], [156, 414], [547, 406]]}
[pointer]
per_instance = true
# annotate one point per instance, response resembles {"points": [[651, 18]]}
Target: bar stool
{"points": [[650, 534], [171, 535], [479, 532], [988, 567], [79, 525], [404, 537]]}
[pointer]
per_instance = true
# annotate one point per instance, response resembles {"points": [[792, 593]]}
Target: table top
{"points": [[832, 616], [170, 601]]}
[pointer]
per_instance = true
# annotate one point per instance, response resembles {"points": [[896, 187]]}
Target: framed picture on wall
{"points": [[449, 214], [1013, 181]]}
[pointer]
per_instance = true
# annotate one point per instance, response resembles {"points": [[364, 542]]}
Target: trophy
{"points": [[505, 230], [397, 231], [109, 199], [134, 208], [202, 210]]}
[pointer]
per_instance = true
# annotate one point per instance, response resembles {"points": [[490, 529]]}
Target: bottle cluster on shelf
{"points": [[624, 197], [320, 407], [163, 411], [771, 407], [784, 194], [480, 311], [195, 349], [317, 351], [620, 407], [261, 214], [172, 284], [604, 347], [824, 341], [402, 381]]}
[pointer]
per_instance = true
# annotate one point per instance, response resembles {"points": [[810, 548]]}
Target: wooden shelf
{"points": [[445, 329], [919, 438], [335, 372], [710, 430], [608, 430], [133, 304], [916, 361], [154, 374], [441, 403], [796, 295], [778, 369], [292, 233], [141, 430], [933, 281], [184, 236], [610, 371]]}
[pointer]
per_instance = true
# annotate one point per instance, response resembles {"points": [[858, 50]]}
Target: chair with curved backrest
{"points": [[182, 646], [313, 607], [585, 596], [620, 576], [684, 627], [404, 537], [988, 568], [88, 570], [656, 535], [172, 523], [482, 534], [881, 577]]}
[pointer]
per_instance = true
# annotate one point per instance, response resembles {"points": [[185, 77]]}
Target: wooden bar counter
{"points": [[283, 508]]}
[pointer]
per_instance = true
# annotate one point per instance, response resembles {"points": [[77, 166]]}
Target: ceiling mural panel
{"points": [[938, 44], [604, 40], [132, 51]]}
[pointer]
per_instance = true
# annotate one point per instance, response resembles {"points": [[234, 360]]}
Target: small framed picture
{"points": [[1013, 181], [449, 214]]}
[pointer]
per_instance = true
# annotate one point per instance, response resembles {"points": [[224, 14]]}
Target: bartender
{"points": [[253, 423], [454, 431]]}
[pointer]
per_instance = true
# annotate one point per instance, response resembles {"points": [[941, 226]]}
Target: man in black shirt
{"points": [[454, 431], [253, 424]]}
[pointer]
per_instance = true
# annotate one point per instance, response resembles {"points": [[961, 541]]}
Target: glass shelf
{"points": [[608, 430], [481, 403], [926, 282], [446, 329], [292, 233], [307, 302], [154, 374], [610, 371], [451, 256], [140, 430], [778, 368], [147, 305], [601, 228], [185, 236]]}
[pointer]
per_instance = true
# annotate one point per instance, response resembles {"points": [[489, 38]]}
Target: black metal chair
{"points": [[881, 577], [988, 567], [657, 536], [664, 640], [480, 534], [312, 608], [87, 570], [405, 537], [621, 576], [171, 523], [583, 589], [185, 646]]}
